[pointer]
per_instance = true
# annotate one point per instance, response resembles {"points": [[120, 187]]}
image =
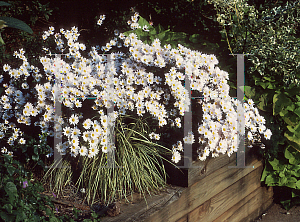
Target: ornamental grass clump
{"points": [[146, 80]]}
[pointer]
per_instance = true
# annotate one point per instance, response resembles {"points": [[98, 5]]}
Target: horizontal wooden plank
{"points": [[242, 211], [183, 219], [207, 167], [138, 209], [199, 193], [228, 197]]}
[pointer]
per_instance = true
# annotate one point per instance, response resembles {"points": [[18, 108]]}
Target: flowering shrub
{"points": [[145, 79]]}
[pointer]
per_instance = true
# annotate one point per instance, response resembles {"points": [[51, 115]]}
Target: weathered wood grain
{"points": [[244, 210], [207, 167], [202, 191], [227, 198]]}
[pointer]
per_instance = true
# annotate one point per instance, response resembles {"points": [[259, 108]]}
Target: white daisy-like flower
{"points": [[74, 150], [156, 136], [74, 119], [4, 150], [83, 151], [93, 151], [87, 124], [60, 147], [268, 134], [6, 68], [261, 128], [76, 132], [75, 141], [105, 149], [202, 156], [176, 157], [86, 136], [22, 141], [250, 136], [179, 146], [67, 131]]}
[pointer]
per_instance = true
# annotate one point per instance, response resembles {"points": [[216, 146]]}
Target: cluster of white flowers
{"points": [[134, 22], [123, 82], [5, 151], [101, 19], [154, 136]]}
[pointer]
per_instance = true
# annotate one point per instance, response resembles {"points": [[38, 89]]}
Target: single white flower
{"points": [[83, 151], [74, 119], [268, 134], [176, 157]]}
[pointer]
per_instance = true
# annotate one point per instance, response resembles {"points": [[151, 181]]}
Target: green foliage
{"points": [[16, 23], [284, 171], [20, 198], [166, 37], [13, 23], [31, 12], [271, 35]]}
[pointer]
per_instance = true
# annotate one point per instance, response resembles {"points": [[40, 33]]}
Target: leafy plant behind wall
{"points": [[272, 36]]}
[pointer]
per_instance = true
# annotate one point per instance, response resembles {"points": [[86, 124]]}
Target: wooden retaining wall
{"points": [[214, 193]]}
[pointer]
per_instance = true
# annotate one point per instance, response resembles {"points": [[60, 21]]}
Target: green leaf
{"points": [[297, 111], [291, 119], [8, 207], [297, 128], [54, 219], [298, 184], [272, 86], [276, 164], [271, 181], [282, 181], [159, 29], [6, 217], [290, 182], [289, 155], [279, 102], [291, 107], [35, 157], [4, 3], [249, 92], [142, 22], [1, 43], [283, 112], [11, 190], [161, 35], [291, 137], [21, 216], [11, 170], [35, 150], [16, 23], [195, 38], [263, 101], [291, 129]]}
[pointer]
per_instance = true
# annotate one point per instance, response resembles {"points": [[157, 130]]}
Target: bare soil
{"points": [[278, 214]]}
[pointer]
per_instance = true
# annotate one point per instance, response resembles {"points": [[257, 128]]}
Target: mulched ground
{"points": [[66, 201]]}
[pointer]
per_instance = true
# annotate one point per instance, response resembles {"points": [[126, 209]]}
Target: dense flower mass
{"points": [[123, 81]]}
